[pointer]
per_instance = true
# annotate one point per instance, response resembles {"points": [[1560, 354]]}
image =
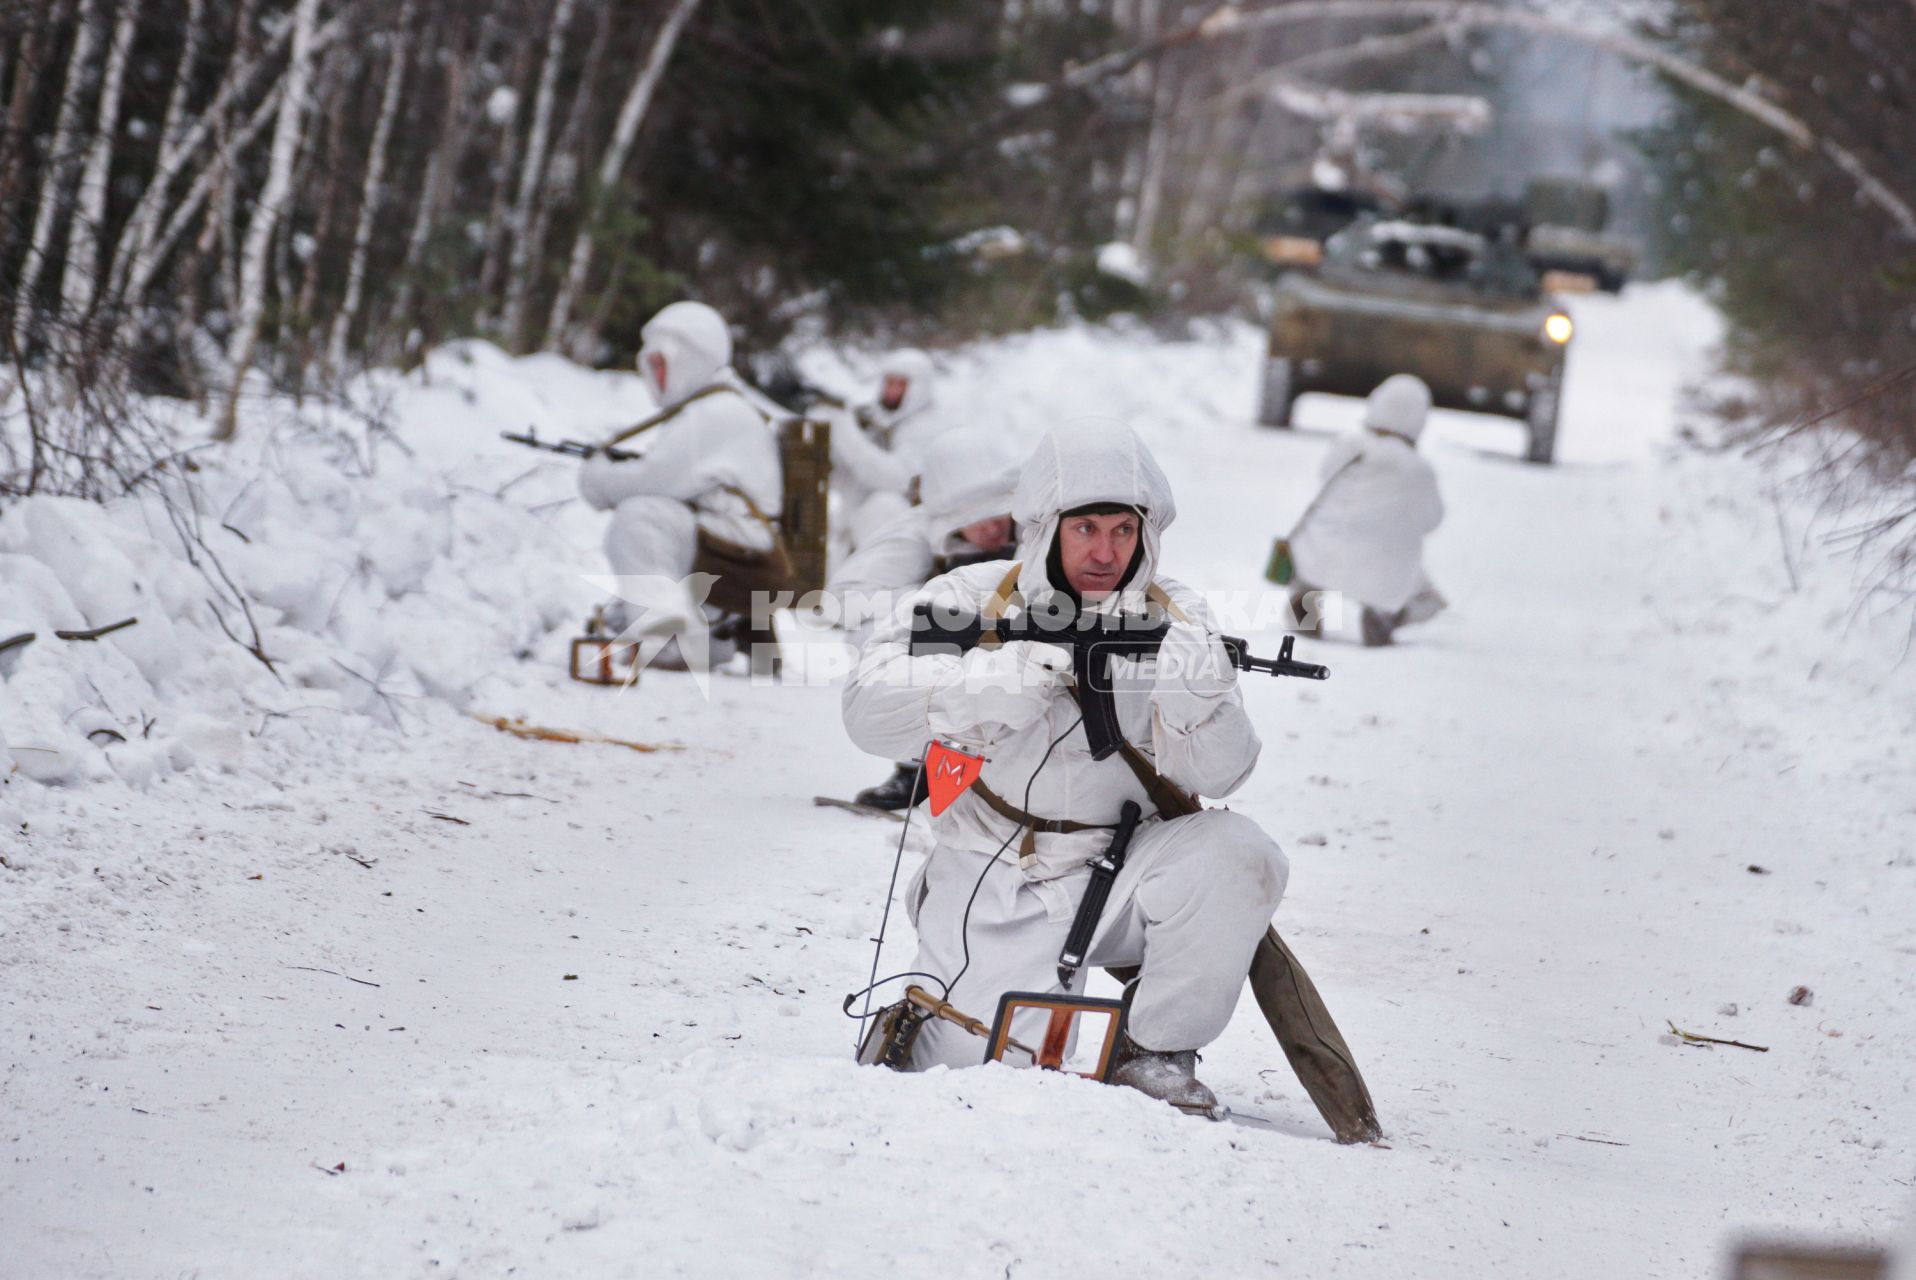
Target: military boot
{"points": [[1377, 628], [1169, 1076], [896, 792]]}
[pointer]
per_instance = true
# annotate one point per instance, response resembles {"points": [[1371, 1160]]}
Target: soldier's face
{"points": [[1095, 551], [988, 535], [892, 394], [655, 370]]}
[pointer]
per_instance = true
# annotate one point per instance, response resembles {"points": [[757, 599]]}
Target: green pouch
{"points": [[1280, 569]]}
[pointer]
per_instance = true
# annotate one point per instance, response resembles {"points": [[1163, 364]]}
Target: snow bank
{"points": [[395, 560]]}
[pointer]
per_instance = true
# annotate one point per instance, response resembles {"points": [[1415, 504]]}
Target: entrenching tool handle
{"points": [[1091, 907]]}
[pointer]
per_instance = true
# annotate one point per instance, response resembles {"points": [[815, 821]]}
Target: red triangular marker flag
{"points": [[947, 775]]}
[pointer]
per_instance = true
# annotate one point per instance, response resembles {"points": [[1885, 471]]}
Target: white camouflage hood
{"points": [[915, 367], [695, 343], [967, 476], [1082, 462]]}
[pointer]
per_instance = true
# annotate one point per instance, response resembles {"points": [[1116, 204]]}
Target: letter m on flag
{"points": [[947, 775]]}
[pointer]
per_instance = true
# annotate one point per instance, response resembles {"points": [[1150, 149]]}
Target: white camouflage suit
{"points": [[660, 501], [1195, 894], [1365, 534], [969, 477], [873, 468]]}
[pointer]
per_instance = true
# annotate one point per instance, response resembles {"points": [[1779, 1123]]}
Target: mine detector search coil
{"points": [[1094, 640], [895, 1030]]}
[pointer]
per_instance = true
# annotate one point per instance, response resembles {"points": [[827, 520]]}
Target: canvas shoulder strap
{"points": [[666, 415], [769, 523], [1162, 599], [1004, 595]]}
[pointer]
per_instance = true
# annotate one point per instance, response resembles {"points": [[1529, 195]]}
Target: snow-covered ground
{"points": [[314, 975]]}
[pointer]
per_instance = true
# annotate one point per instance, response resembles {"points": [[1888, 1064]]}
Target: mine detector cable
{"points": [[944, 1008]]}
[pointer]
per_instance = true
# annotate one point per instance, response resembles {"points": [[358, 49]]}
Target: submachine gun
{"points": [[1094, 640], [570, 448]]}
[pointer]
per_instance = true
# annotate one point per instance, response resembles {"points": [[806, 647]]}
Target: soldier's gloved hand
{"points": [[602, 484], [1194, 675], [1011, 686]]}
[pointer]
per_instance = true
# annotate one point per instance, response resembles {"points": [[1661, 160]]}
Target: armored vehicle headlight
{"points": [[1558, 328]]}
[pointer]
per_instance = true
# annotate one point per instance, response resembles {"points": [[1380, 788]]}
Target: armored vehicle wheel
{"points": [[1545, 401], [1279, 392]]}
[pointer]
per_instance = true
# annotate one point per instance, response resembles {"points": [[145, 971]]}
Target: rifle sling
{"points": [[778, 555], [670, 412]]}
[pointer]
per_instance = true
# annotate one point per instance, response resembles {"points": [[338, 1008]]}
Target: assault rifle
{"points": [[1094, 640], [570, 448]]}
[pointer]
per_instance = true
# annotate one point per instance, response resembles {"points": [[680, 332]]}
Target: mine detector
{"points": [[1059, 1030], [748, 584]]}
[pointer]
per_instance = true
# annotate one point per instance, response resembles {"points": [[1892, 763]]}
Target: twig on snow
{"points": [[1690, 1037], [520, 729], [1608, 1142], [336, 973], [96, 632]]}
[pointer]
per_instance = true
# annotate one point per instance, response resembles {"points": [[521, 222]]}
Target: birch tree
{"points": [[612, 162], [505, 163], [370, 193], [519, 268], [452, 141], [267, 209], [59, 169], [242, 79], [26, 77], [562, 171], [77, 286]]}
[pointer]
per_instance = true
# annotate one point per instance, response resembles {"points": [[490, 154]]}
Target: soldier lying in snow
{"points": [[1194, 899]]}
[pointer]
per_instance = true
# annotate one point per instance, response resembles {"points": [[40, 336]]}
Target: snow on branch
{"points": [[1476, 15]]}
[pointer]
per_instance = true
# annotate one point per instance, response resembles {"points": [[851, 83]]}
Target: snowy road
{"points": [[461, 1004]]}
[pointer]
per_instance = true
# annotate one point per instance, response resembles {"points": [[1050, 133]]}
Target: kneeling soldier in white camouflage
{"points": [[710, 471], [996, 897]]}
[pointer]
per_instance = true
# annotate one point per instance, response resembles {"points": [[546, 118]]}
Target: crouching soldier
{"points": [[710, 470], [878, 450], [996, 898], [963, 517], [1363, 534]]}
